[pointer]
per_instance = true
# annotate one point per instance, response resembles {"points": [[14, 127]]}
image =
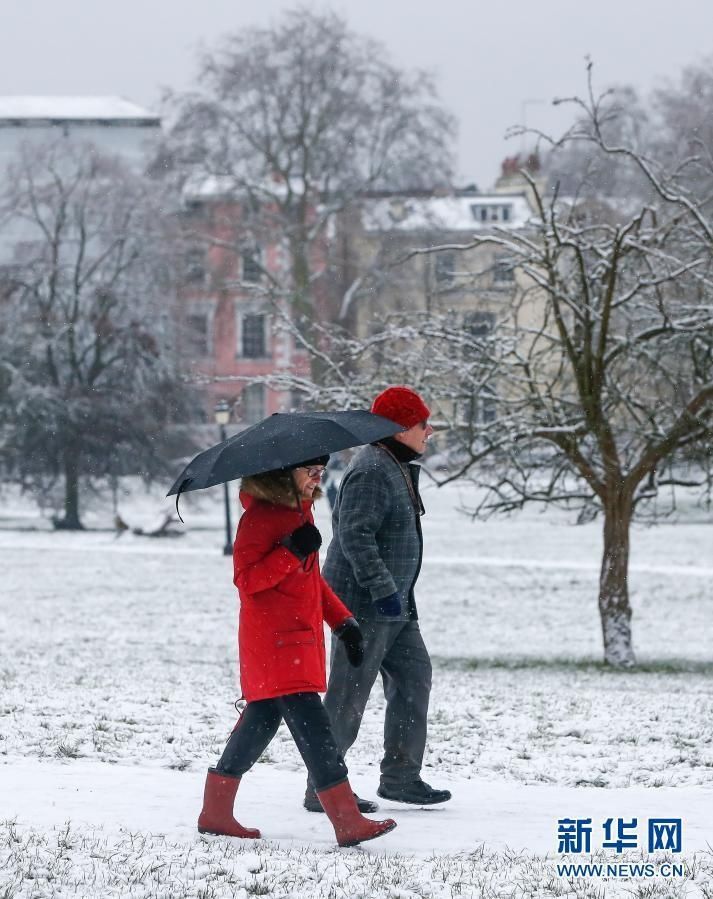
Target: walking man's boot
{"points": [[414, 793], [312, 803]]}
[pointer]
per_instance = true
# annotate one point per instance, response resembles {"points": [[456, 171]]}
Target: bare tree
{"points": [[298, 120], [610, 381], [85, 321]]}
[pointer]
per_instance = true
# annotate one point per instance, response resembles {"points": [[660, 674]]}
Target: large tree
{"points": [[607, 391], [85, 321], [299, 119]]}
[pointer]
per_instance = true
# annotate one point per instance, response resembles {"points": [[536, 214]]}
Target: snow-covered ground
{"points": [[117, 679]]}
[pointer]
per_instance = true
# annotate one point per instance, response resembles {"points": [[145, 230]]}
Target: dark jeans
{"points": [[396, 651], [308, 723]]}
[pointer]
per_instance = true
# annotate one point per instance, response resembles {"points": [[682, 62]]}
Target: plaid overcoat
{"points": [[377, 544]]}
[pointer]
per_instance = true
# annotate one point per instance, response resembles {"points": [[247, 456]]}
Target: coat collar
{"points": [[402, 452], [247, 500]]}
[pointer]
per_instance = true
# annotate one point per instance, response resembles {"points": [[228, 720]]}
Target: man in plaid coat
{"points": [[372, 564]]}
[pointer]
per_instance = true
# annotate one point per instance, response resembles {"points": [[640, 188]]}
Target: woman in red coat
{"points": [[284, 602]]}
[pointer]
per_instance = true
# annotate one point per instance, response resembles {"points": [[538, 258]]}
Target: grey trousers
{"points": [[396, 651]]}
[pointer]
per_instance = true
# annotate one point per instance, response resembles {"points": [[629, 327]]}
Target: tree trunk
{"points": [[303, 300], [71, 521], [614, 607]]}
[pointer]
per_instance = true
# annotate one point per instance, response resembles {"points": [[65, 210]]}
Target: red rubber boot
{"points": [[350, 826], [218, 801]]}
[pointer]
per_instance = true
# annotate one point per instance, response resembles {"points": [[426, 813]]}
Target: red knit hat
{"points": [[402, 405]]}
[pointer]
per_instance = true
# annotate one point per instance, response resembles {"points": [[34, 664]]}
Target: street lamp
{"points": [[222, 417]]}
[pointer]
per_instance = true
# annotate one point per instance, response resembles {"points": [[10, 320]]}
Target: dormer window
{"points": [[491, 212]]}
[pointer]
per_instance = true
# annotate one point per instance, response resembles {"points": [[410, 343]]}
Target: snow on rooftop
{"points": [[65, 108], [204, 187], [215, 187], [453, 213]]}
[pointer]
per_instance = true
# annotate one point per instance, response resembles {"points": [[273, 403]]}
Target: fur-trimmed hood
{"points": [[276, 487]]}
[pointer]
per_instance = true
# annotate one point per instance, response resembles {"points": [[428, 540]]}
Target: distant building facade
{"points": [[114, 125], [387, 228], [235, 278]]}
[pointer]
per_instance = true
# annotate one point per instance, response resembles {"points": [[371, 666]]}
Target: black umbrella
{"points": [[281, 440]]}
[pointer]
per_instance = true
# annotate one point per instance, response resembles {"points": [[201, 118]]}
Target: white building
{"points": [[114, 125]]}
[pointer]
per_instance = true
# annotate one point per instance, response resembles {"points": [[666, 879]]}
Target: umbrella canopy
{"points": [[281, 440]]}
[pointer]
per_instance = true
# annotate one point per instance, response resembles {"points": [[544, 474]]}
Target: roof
{"points": [[472, 212], [20, 110]]}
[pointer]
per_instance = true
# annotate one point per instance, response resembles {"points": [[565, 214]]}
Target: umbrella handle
{"points": [[184, 483]]}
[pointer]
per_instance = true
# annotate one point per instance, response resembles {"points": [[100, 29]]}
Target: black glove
{"points": [[389, 606], [350, 635], [305, 540]]}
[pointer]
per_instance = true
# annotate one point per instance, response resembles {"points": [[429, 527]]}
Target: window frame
{"points": [[205, 350], [242, 315], [503, 265], [195, 273], [443, 276]]}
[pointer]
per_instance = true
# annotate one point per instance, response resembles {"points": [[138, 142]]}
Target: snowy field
{"points": [[117, 683]]}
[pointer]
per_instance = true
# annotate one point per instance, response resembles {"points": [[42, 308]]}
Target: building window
{"points": [[252, 403], [10, 276], [198, 334], [194, 209], [486, 406], [481, 408], [503, 271], [251, 266], [253, 343], [194, 266], [479, 324], [445, 267]]}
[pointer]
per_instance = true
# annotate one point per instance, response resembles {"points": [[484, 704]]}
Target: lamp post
{"points": [[222, 417]]}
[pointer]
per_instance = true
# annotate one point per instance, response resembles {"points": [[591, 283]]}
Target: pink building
{"points": [[234, 305]]}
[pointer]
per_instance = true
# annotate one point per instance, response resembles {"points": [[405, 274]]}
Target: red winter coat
{"points": [[282, 606]]}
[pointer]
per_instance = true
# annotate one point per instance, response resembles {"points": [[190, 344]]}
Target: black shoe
{"points": [[415, 793], [312, 803]]}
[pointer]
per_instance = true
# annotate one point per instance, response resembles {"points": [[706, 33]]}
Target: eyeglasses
{"points": [[314, 471]]}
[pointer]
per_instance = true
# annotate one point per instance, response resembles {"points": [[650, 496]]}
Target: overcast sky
{"points": [[496, 61]]}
